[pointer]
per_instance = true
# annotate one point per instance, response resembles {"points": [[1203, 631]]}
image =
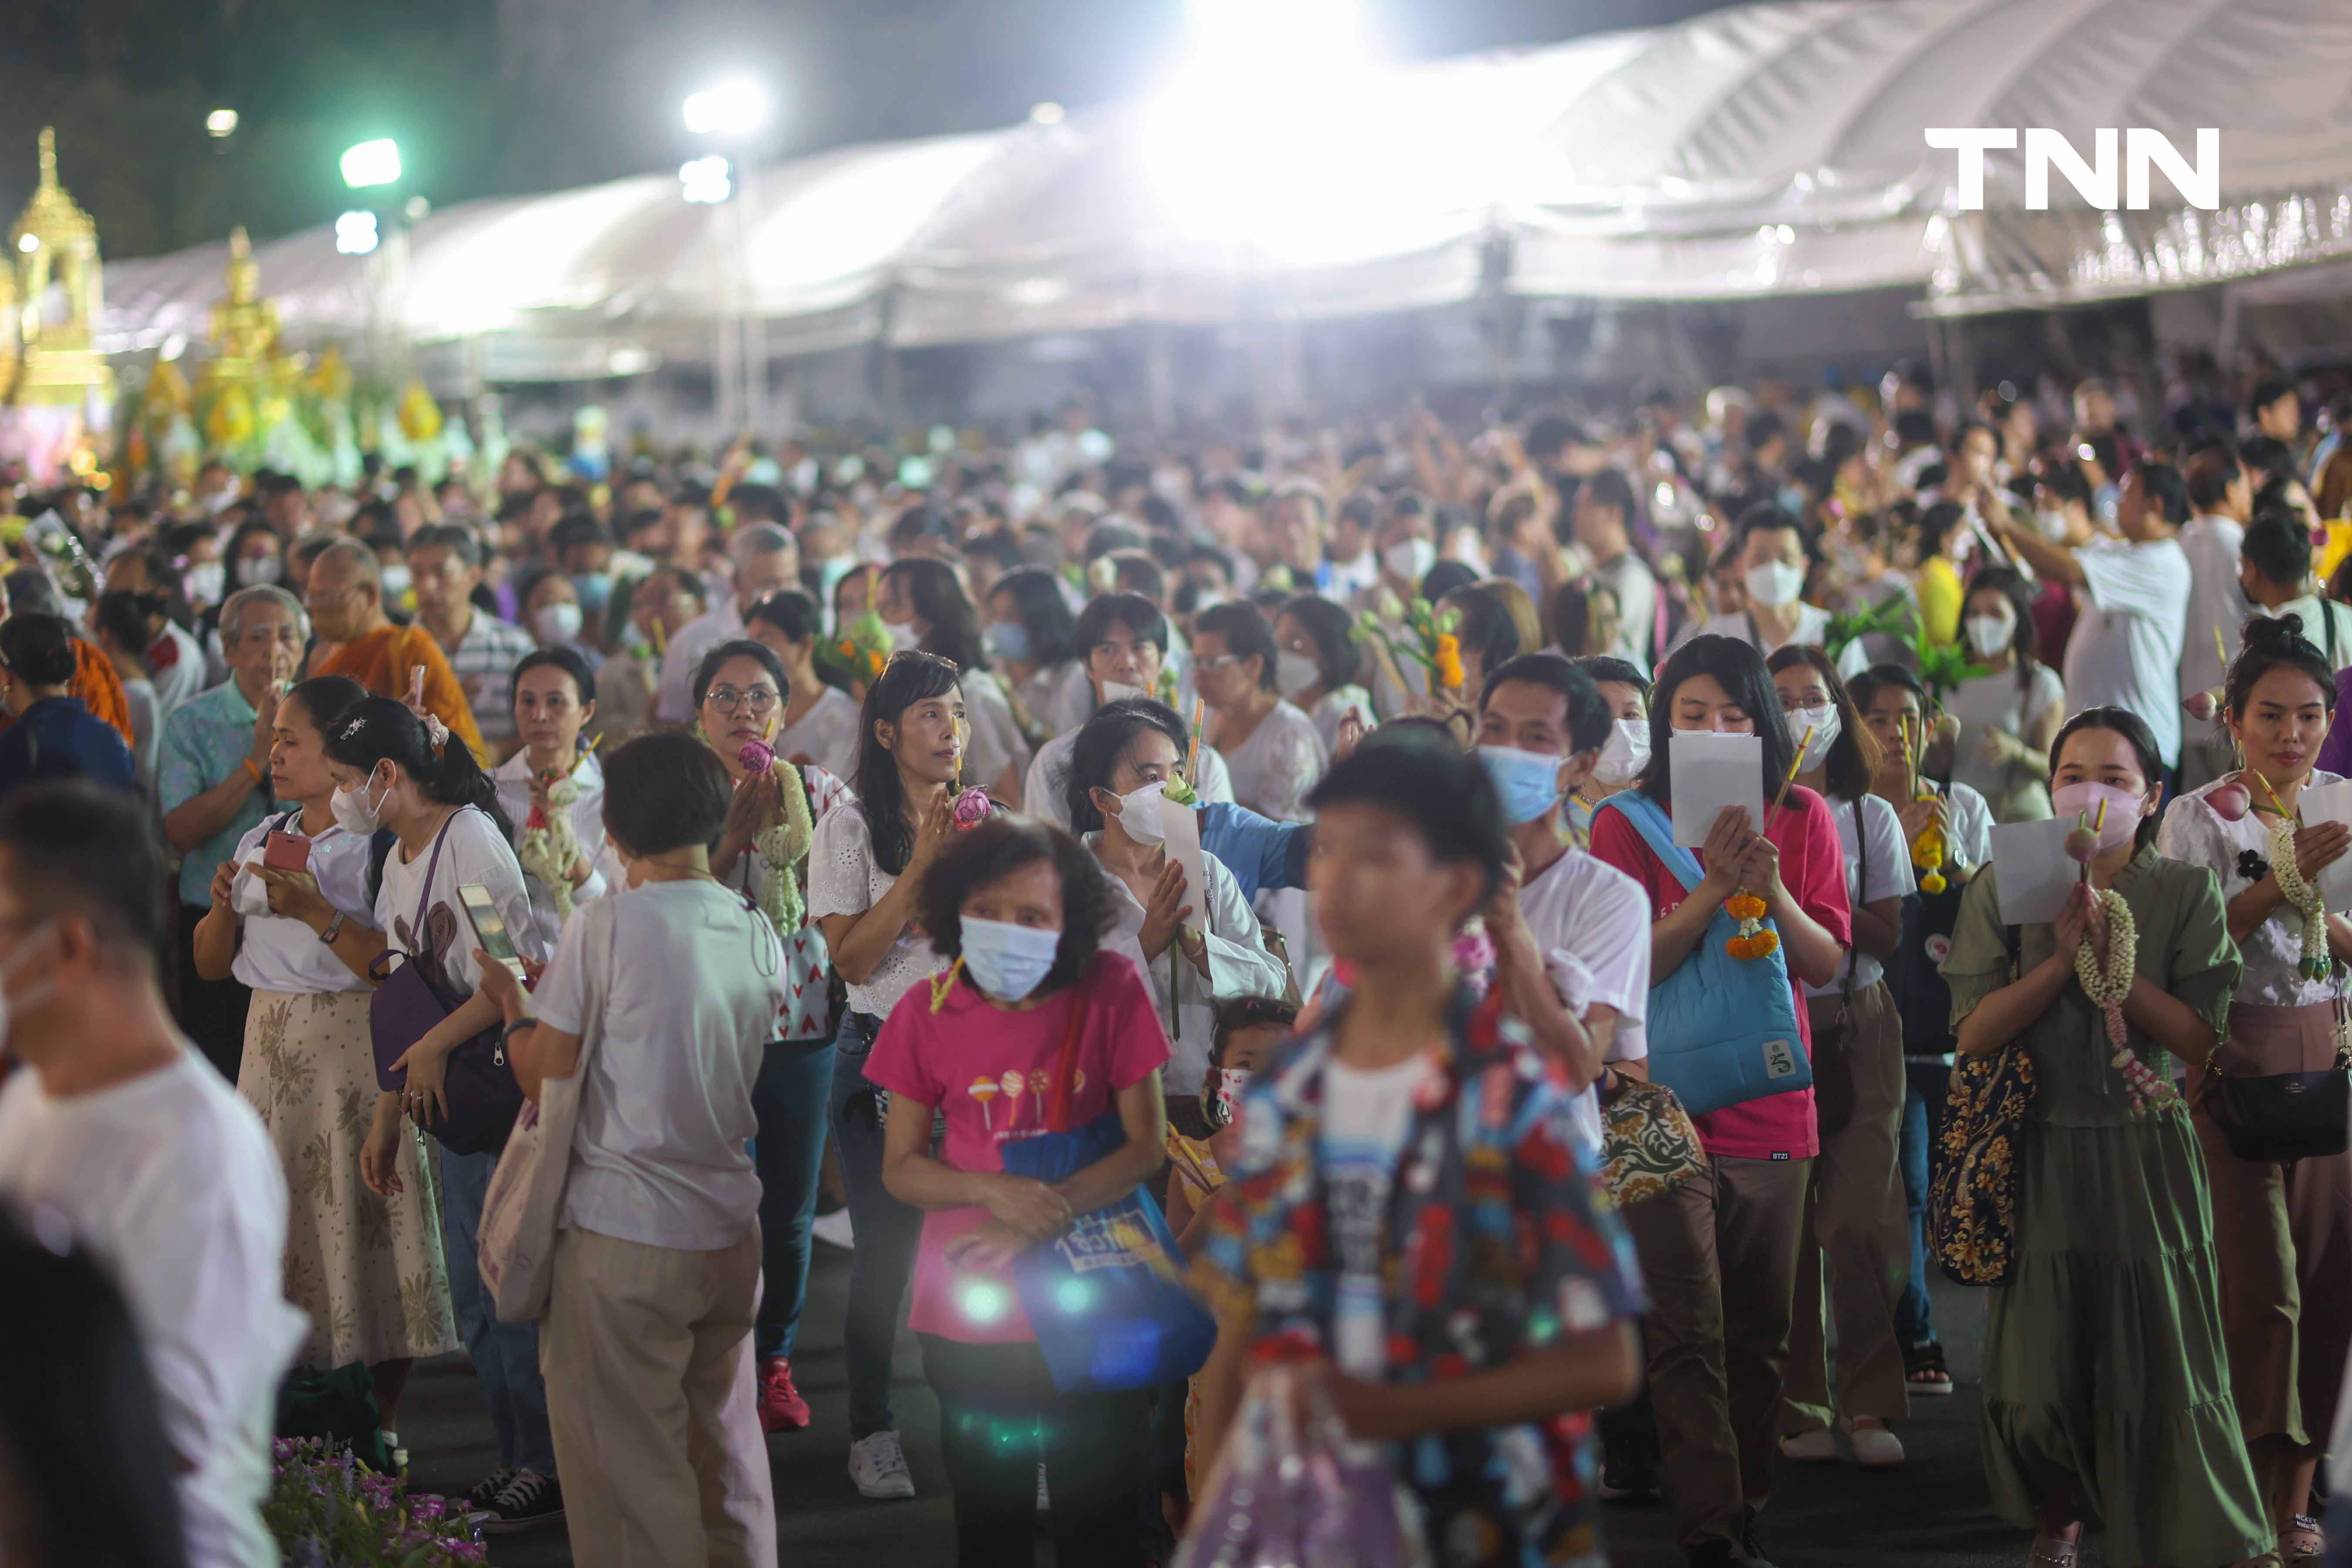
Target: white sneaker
{"points": [[878, 1466], [834, 1228], [1809, 1448], [1875, 1448]]}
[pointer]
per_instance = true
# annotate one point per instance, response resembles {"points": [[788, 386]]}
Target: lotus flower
{"points": [[757, 757], [1948, 730], [971, 809], [2230, 802], [2202, 706], [2082, 843]]}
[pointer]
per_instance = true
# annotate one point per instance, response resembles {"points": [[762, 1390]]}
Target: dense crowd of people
{"points": [[1271, 844]]}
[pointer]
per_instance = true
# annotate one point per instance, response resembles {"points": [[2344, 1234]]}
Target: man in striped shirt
{"points": [[483, 650]]}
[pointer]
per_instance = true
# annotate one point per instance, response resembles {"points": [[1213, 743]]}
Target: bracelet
{"points": [[259, 781], [335, 929], [506, 1033]]}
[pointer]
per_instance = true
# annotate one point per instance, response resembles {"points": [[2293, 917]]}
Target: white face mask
{"points": [[1774, 584], [1826, 724], [902, 637], [259, 570], [1293, 672], [1624, 754], [1231, 1081], [204, 581], [1007, 961], [397, 581], [558, 622], [1991, 635], [1410, 559], [1139, 815], [2053, 524], [15, 1006], [355, 811], [1120, 691]]}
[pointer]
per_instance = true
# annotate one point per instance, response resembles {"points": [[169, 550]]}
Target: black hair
{"points": [[1486, 627], [326, 697], [1102, 741], [2142, 741], [2210, 473], [1612, 489], [2025, 641], [575, 528], [910, 678], [1138, 614], [1139, 572], [163, 578], [1915, 427], [458, 540], [129, 617], [1866, 686], [1110, 538], [1760, 429], [1739, 668], [2274, 642], [1338, 657], [2268, 455], [378, 727], [2066, 481], [83, 847], [568, 660], [80, 1421], [1587, 716], [938, 596], [791, 611], [1853, 758], [1044, 612], [1232, 1016], [1246, 633], [2267, 391], [1444, 577], [39, 649], [1965, 429], [664, 791], [741, 647], [1361, 509], [2278, 546], [1571, 611], [2163, 482], [1769, 517], [994, 850], [1937, 521], [1427, 779], [1607, 666]]}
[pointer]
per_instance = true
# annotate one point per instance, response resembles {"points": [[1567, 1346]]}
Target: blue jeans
{"points": [[1925, 1085], [506, 1355], [790, 1098], [883, 1258]]}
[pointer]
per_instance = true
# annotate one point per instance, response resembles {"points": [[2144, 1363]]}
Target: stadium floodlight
{"points": [[733, 108], [375, 163], [706, 181], [355, 233], [220, 123]]}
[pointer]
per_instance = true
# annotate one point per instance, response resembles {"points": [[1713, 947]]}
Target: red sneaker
{"points": [[781, 1408]]}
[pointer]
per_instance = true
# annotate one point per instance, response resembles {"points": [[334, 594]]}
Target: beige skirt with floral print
{"points": [[367, 1270]]}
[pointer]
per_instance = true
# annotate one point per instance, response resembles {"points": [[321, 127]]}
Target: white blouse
{"points": [[1995, 702], [1332, 711], [512, 778], [278, 953], [827, 734], [2193, 831], [844, 880], [994, 743], [1282, 758], [806, 962]]}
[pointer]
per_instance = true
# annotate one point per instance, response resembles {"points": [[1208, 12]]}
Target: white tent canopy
{"points": [[1749, 152]]}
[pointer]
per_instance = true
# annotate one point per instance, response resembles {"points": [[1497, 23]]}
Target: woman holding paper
{"points": [[2282, 1229], [2106, 1396], [1716, 1355]]}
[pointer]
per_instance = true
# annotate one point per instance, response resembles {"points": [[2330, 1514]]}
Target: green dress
{"points": [[2104, 1358]]}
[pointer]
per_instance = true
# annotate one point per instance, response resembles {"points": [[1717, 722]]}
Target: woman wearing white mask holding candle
{"points": [[1853, 1207], [1769, 553], [1626, 753], [2010, 715]]}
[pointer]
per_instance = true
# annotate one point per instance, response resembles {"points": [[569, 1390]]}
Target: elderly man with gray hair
{"points": [[212, 779], [765, 559]]}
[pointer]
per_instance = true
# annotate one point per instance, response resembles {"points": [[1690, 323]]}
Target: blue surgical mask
{"points": [[1008, 640], [1527, 782], [594, 588], [1007, 961]]}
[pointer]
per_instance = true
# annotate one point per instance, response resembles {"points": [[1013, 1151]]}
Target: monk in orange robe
{"points": [[346, 603]]}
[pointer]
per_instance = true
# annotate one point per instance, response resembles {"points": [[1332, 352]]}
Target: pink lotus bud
{"points": [[757, 757], [971, 808], [2080, 844], [2200, 706], [2230, 802]]}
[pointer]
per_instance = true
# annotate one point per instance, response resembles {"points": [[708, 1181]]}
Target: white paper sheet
{"points": [[2330, 803], [2031, 870], [1181, 827], [1709, 772]]}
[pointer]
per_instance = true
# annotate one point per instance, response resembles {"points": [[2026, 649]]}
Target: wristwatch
{"points": [[335, 929]]}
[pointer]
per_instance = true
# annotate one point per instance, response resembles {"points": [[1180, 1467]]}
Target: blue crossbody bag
{"points": [[1722, 1030]]}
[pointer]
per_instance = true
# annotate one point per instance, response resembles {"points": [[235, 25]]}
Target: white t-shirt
{"points": [[2309, 609], [2215, 599], [474, 851], [170, 1182], [1889, 870], [587, 810], [1630, 579], [1812, 627], [1967, 824], [1996, 702], [695, 984], [1366, 1115], [1591, 923], [827, 734], [279, 953], [2125, 646], [843, 880], [996, 741]]}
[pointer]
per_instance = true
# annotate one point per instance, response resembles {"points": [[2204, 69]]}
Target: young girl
{"points": [[2283, 1230], [2106, 1395], [1249, 1030]]}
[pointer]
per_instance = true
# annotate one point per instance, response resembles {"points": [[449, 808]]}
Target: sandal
{"points": [[2049, 1553], [2301, 1545], [1924, 1369]]}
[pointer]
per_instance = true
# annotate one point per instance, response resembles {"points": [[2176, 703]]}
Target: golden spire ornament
{"points": [[53, 244]]}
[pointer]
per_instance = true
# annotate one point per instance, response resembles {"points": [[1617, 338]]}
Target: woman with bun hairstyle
{"points": [[54, 736], [124, 623], [2281, 1229]]}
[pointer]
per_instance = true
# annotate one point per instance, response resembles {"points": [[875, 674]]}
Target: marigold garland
{"points": [[2106, 988]]}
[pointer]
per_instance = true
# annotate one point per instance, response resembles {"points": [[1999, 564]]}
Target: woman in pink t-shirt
{"points": [[1021, 907], [1716, 1355]]}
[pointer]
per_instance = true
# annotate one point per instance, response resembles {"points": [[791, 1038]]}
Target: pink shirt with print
{"points": [[990, 1071]]}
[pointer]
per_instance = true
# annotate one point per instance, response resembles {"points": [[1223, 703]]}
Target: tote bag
{"points": [[1722, 1030], [514, 1246], [1104, 1297]]}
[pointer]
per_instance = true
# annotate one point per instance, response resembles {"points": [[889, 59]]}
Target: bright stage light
{"points": [[221, 123], [373, 163], [1046, 114], [734, 108], [355, 233], [708, 181]]}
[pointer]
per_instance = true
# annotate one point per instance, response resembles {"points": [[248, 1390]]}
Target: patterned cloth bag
{"points": [[1972, 1191], [1649, 1144]]}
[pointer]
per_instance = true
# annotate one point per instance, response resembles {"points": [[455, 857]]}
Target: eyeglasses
{"points": [[759, 699]]}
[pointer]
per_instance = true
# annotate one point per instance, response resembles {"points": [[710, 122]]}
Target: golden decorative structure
{"points": [[243, 329], [54, 244]]}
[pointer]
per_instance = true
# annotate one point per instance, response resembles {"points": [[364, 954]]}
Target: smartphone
{"points": [[490, 926], [286, 852]]}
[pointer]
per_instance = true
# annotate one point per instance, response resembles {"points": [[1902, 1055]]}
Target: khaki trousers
{"points": [[646, 1352], [1717, 1353], [1857, 1221]]}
